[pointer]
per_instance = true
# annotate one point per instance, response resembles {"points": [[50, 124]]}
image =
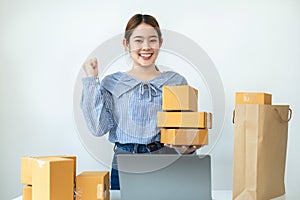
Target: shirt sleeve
{"points": [[96, 105], [183, 81]]}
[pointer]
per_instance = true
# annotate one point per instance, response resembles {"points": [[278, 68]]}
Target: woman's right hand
{"points": [[90, 67]]}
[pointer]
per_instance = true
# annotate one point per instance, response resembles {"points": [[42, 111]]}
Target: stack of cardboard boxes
{"points": [[54, 178], [180, 121]]}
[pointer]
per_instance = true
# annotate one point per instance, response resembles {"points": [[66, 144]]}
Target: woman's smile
{"points": [[145, 56]]}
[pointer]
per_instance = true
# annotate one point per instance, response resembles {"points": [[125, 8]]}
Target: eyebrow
{"points": [[143, 37]]}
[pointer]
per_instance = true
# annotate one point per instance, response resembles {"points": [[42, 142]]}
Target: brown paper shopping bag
{"points": [[260, 141]]}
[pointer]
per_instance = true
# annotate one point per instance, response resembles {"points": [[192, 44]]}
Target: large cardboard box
{"points": [[52, 179], [180, 98], [184, 120], [93, 185], [184, 136], [253, 98], [27, 192], [26, 167]]}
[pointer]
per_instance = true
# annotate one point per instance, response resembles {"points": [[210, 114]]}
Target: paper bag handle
{"points": [[285, 120], [289, 117], [233, 116]]}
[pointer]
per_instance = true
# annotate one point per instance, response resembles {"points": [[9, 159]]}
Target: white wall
{"points": [[255, 46]]}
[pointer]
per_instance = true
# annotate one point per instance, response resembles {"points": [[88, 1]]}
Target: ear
{"points": [[160, 42], [125, 44]]}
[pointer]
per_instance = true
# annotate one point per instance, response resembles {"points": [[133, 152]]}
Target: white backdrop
{"points": [[255, 46]]}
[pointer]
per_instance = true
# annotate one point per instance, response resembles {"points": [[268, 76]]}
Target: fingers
{"points": [[184, 149], [94, 62], [91, 67], [91, 62]]}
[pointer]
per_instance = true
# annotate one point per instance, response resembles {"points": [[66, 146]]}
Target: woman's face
{"points": [[144, 45]]}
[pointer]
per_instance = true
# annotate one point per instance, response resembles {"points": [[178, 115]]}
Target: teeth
{"points": [[145, 55]]}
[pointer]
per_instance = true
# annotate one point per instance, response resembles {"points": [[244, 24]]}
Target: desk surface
{"points": [[217, 195]]}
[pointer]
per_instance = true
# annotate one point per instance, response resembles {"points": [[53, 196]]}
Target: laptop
{"points": [[164, 177]]}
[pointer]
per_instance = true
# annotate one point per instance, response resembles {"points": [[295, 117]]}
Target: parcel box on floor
{"points": [[184, 120], [52, 179], [184, 136], [26, 168], [253, 98], [92, 185], [180, 98]]}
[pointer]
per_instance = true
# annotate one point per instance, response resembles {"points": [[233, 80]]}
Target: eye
{"points": [[138, 41], [153, 40]]}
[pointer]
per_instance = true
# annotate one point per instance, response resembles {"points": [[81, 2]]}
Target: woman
{"points": [[125, 104]]}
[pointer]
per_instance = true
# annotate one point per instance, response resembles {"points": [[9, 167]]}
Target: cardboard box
{"points": [[184, 120], [180, 98], [26, 168], [52, 179], [93, 185], [27, 192], [184, 136], [253, 98]]}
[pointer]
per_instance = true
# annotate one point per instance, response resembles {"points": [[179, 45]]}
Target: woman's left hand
{"points": [[184, 149]]}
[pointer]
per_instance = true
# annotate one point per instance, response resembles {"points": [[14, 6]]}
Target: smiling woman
{"points": [[125, 104], [143, 46], [143, 40]]}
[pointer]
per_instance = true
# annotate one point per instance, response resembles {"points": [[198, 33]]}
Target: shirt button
{"points": [[145, 86]]}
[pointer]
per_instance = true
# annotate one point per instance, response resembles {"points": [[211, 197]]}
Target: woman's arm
{"points": [[96, 104]]}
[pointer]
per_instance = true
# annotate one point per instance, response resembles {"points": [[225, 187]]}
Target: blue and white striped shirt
{"points": [[125, 106]]}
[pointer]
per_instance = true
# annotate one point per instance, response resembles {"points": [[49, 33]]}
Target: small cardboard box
{"points": [[27, 192], [52, 178], [184, 120], [180, 98], [184, 136], [26, 168], [253, 98], [93, 185]]}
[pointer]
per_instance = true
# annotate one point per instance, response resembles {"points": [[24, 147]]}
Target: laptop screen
{"points": [[164, 177]]}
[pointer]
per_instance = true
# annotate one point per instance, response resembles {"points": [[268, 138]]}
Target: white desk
{"points": [[216, 194]]}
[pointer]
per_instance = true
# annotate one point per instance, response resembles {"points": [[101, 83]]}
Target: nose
{"points": [[145, 45]]}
